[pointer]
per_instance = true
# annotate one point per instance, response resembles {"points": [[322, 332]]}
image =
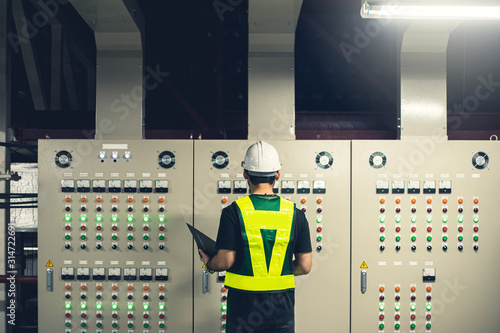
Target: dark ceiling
{"points": [[346, 75]]}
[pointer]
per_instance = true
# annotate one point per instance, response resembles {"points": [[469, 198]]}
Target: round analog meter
{"points": [[480, 160], [166, 159], [63, 159], [324, 160], [377, 160], [220, 160]]}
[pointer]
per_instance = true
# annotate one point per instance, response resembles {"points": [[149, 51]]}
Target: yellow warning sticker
{"points": [[49, 264], [363, 265]]}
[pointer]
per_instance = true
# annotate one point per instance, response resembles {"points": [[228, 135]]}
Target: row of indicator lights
{"points": [[114, 306], [114, 228], [114, 209], [114, 287], [429, 200], [114, 199], [114, 218], [413, 219], [319, 227], [223, 307]]}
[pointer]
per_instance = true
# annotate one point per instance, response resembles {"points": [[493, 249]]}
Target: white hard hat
{"points": [[261, 160]]}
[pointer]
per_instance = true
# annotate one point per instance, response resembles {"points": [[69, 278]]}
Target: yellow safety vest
{"points": [[253, 221]]}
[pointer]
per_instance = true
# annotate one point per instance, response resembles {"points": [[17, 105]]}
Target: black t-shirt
{"points": [[250, 308]]}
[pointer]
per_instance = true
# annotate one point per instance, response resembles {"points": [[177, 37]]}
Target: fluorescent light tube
{"points": [[430, 12]]}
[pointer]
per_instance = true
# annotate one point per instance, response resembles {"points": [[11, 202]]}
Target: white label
{"points": [[460, 175], [413, 263], [476, 175], [115, 174], [84, 174], [83, 262], [146, 175], [129, 263], [382, 263], [114, 262], [239, 175], [146, 263], [303, 175], [130, 174], [382, 175], [68, 174], [413, 175], [114, 146], [288, 175], [320, 175], [398, 176], [162, 175], [445, 175], [429, 175], [68, 262], [99, 174], [398, 263], [161, 263], [98, 262], [429, 263], [224, 175]]}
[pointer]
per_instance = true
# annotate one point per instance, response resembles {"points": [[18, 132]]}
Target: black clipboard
{"points": [[204, 242]]}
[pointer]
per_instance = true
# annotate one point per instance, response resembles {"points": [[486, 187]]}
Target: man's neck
{"points": [[262, 189]]}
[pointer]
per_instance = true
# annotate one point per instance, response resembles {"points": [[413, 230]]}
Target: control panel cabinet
{"points": [[114, 251]]}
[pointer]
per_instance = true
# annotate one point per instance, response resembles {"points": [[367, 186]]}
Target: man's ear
{"points": [[245, 174], [277, 176]]}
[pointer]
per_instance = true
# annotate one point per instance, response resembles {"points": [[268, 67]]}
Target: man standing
{"points": [[257, 239]]}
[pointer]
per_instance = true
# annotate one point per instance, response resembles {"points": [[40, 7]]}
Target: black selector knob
{"points": [[130, 246], [319, 248], [445, 247], [145, 246], [67, 246], [398, 247], [83, 246], [460, 247], [429, 247], [476, 247], [414, 248], [161, 246], [98, 246], [114, 246], [382, 247]]}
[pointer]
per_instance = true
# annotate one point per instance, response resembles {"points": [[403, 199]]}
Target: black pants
{"points": [[235, 327]]}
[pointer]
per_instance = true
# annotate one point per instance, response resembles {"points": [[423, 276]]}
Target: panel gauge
{"points": [[161, 186], [130, 273], [98, 185], [220, 160], [98, 273], [114, 185], [146, 186], [83, 185], [130, 185], [480, 160], [324, 160], [63, 159], [377, 160], [240, 186], [146, 274], [166, 159]]}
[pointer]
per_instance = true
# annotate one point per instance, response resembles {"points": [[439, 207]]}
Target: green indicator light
{"points": [[413, 307], [114, 306], [413, 238], [460, 219], [382, 219], [162, 237], [114, 237], [98, 306], [161, 219], [445, 238], [397, 326], [460, 238], [476, 219], [429, 238], [83, 218], [163, 325], [83, 237], [398, 219], [98, 218], [114, 218], [145, 306], [445, 219], [83, 305], [114, 324], [412, 326], [428, 307], [381, 307], [67, 237], [223, 325], [130, 218], [67, 305], [397, 307], [428, 326], [145, 218], [476, 238], [130, 325], [224, 307], [146, 325], [413, 219], [319, 238], [83, 324], [98, 237], [319, 219], [161, 306], [67, 218], [68, 324], [381, 326], [429, 219], [398, 238], [130, 306], [146, 237], [130, 237], [382, 238], [98, 324]]}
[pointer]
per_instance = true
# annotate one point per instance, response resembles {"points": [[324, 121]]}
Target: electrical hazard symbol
{"points": [[49, 264], [363, 265]]}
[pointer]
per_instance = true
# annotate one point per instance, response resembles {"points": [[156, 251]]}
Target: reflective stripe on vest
{"points": [[253, 222]]}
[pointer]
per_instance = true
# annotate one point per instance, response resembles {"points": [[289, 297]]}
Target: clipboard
{"points": [[203, 242]]}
